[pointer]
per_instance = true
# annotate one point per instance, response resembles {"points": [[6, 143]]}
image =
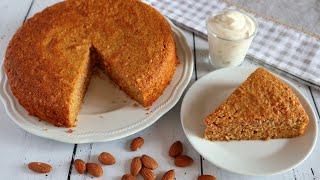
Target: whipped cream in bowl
{"points": [[230, 34]]}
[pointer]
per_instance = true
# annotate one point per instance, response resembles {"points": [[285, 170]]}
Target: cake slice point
{"points": [[261, 108]]}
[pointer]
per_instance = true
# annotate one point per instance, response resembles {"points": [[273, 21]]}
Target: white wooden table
{"points": [[18, 147]]}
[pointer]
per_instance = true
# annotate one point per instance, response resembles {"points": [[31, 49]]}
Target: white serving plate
{"points": [[243, 157], [107, 113]]}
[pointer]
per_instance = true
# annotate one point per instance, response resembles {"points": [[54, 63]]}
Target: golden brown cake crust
{"points": [[47, 56], [141, 57], [263, 107]]}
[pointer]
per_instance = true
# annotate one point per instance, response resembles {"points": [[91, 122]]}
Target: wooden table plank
{"points": [[301, 172], [315, 165], [18, 147]]}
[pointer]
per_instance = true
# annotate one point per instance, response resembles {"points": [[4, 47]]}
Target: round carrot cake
{"points": [[50, 59]]}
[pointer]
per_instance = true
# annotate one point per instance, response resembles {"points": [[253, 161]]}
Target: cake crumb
{"points": [[97, 72], [135, 105], [69, 131]]}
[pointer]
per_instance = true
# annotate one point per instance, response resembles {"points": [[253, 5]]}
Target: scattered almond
{"points": [[106, 158], [147, 174], [128, 177], [136, 143], [176, 149], [94, 169], [149, 162], [183, 161], [169, 175], [136, 166], [80, 166], [206, 177], [39, 167]]}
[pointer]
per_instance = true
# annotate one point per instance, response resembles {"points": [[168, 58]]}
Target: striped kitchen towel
{"points": [[276, 45]]}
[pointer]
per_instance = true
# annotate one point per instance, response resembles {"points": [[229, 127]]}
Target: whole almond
{"points": [[169, 175], [80, 166], [183, 161], [206, 177], [176, 149], [136, 166], [39, 167], [149, 162], [147, 174], [94, 169], [136, 143], [106, 158], [128, 177]]}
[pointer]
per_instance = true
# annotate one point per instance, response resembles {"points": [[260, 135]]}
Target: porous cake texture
{"points": [[261, 108], [50, 58]]}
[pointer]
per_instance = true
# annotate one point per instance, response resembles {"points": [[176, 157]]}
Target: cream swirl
{"points": [[231, 25]]}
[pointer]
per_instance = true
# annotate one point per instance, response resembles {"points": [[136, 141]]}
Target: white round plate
{"points": [[107, 113], [243, 157]]}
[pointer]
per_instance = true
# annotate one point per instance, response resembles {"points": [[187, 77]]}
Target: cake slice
{"points": [[262, 108]]}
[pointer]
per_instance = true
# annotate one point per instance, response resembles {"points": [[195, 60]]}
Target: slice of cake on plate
{"points": [[261, 108]]}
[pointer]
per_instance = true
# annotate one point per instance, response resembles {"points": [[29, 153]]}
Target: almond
{"points": [[39, 167], [149, 162], [169, 175], [176, 149], [206, 177], [136, 143], [136, 166], [128, 177], [106, 158], [94, 169], [147, 174], [80, 166], [183, 161]]}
